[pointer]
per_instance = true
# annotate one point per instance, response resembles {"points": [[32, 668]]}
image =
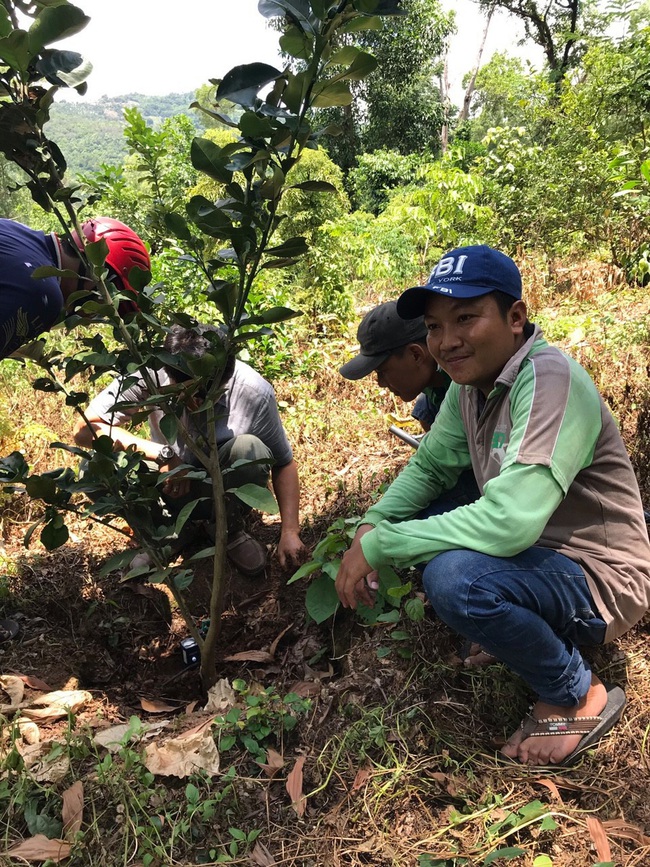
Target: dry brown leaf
{"points": [[15, 689], [261, 856], [73, 809], [35, 682], [553, 789], [305, 688], [274, 763], [221, 697], [57, 704], [40, 848], [184, 755], [39, 766], [294, 787], [250, 656], [276, 641], [111, 738], [29, 731], [189, 709], [360, 779], [599, 838], [621, 828], [157, 706]]}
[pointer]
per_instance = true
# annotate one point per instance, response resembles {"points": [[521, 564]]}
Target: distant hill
{"points": [[90, 133]]}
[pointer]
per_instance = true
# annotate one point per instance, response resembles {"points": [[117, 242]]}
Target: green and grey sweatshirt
{"points": [[552, 470]]}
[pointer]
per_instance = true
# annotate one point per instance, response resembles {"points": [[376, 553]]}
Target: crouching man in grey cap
{"points": [[554, 554]]}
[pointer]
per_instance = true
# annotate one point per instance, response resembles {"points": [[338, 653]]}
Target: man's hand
{"points": [[176, 486], [291, 549], [357, 580]]}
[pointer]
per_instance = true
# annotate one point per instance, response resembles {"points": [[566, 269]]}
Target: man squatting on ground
{"points": [[395, 349], [31, 306], [555, 553], [248, 428]]}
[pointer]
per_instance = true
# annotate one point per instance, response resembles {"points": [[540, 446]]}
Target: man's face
{"points": [[471, 339], [400, 375]]}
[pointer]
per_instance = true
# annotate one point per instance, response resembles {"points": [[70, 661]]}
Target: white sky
{"points": [[145, 46]]}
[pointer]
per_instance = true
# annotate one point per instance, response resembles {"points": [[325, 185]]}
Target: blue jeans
{"points": [[531, 611]]}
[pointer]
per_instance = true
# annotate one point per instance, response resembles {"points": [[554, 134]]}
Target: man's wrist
{"points": [[165, 455]]}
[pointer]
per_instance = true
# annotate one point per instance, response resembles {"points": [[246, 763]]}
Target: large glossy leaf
{"points": [[296, 43], [14, 50], [253, 126], [257, 497], [54, 533], [177, 225], [207, 157], [299, 11], [242, 84], [331, 93], [97, 251], [321, 599], [272, 315], [314, 187], [362, 65], [379, 7], [211, 220], [365, 23], [64, 68], [292, 247], [54, 23], [5, 22]]}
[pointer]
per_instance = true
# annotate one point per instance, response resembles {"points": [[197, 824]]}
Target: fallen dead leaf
{"points": [[261, 856], [360, 779], [274, 763], [621, 828], [29, 731], [553, 789], [221, 697], [305, 688], [73, 809], [57, 704], [276, 641], [40, 848], [41, 765], [189, 709], [34, 682], [599, 838], [15, 689], [112, 738], [157, 706], [250, 656], [294, 787], [184, 755]]}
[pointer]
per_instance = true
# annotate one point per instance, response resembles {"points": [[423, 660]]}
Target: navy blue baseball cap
{"points": [[466, 272]]}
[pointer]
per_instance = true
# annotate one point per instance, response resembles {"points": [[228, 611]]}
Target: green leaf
{"points": [[508, 854], [64, 68], [54, 23], [414, 609], [117, 561], [321, 599], [51, 271], [5, 23], [242, 84], [295, 43], [331, 569], [204, 553], [183, 579], [207, 157], [254, 126], [184, 514], [257, 497], [169, 427], [192, 794], [41, 488], [305, 569], [545, 861], [400, 635], [366, 23], [314, 187], [298, 11], [54, 533], [293, 247], [97, 251], [273, 314], [360, 68], [389, 616], [177, 225], [399, 591], [383, 652], [331, 93], [548, 823], [14, 50]]}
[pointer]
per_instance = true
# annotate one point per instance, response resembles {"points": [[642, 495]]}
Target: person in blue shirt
{"points": [[30, 306]]}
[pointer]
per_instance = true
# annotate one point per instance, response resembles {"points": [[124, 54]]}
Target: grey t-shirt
{"points": [[247, 406]]}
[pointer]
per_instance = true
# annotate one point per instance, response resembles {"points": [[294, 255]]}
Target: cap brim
{"points": [[362, 365]]}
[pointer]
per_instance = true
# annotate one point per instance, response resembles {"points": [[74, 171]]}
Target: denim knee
{"points": [[446, 584]]}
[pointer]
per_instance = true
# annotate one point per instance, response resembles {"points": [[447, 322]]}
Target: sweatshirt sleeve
{"points": [[507, 519]]}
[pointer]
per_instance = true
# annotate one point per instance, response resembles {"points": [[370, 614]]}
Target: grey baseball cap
{"points": [[380, 333]]}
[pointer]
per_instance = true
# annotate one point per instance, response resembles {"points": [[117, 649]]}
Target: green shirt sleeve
{"points": [[506, 520]]}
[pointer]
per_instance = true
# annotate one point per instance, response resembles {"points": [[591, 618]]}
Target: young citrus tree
{"points": [[230, 241]]}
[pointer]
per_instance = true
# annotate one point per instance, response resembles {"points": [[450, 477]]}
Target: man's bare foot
{"points": [[553, 749], [477, 656]]}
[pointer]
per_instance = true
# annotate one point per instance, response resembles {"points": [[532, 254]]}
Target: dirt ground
{"points": [[398, 749]]}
